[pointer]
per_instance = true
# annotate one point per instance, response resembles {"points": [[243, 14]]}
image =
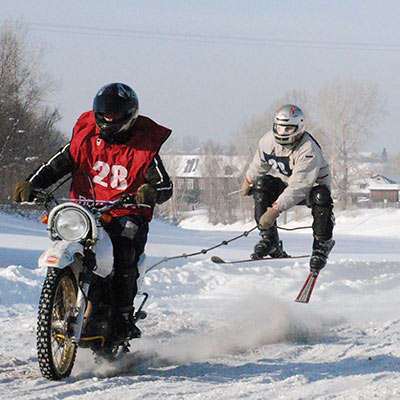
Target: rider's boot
{"points": [[319, 257], [124, 327], [269, 245]]}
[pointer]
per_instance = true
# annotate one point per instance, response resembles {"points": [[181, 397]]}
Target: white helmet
{"points": [[289, 123]]}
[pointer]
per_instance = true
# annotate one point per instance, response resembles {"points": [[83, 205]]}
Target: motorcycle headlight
{"points": [[71, 224]]}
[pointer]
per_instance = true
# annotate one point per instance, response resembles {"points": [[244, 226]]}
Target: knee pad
{"points": [[321, 204], [320, 195], [269, 184], [266, 189]]}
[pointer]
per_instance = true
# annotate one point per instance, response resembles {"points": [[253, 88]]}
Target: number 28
{"points": [[118, 174]]}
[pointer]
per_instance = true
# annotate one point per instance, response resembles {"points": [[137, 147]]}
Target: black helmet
{"points": [[121, 102]]}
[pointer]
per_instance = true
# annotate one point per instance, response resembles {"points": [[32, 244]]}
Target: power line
{"points": [[207, 38]]}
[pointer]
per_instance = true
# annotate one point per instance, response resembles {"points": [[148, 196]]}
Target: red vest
{"points": [[113, 169]]}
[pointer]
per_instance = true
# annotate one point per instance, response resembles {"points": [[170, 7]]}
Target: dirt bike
{"points": [[79, 258]]}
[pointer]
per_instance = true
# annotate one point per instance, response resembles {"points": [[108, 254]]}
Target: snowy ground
{"points": [[227, 331]]}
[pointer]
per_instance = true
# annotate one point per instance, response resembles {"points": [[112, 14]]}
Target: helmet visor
{"points": [[283, 130], [114, 117]]}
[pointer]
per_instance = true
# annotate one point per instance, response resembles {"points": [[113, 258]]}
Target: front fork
{"points": [[81, 303]]}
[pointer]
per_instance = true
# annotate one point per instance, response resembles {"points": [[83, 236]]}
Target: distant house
{"points": [[376, 188], [193, 174], [387, 193]]}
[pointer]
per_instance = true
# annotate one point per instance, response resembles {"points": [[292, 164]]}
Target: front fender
{"points": [[60, 254]]}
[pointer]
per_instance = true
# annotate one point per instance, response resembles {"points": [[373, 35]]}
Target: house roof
{"points": [[374, 182], [385, 186]]}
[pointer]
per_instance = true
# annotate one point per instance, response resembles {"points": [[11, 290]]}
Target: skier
{"points": [[116, 150], [289, 169]]}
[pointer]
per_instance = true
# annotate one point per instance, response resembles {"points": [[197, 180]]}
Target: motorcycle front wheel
{"points": [[55, 347]]}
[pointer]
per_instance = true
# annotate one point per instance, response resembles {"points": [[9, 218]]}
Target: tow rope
{"points": [[203, 251], [223, 243]]}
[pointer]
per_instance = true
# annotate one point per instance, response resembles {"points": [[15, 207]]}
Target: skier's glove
{"points": [[246, 188], [268, 219], [146, 194], [22, 191]]}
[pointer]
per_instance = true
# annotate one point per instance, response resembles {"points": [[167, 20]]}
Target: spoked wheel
{"points": [[56, 349]]}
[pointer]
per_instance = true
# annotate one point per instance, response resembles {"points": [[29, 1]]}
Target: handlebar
{"points": [[46, 198], [39, 197]]}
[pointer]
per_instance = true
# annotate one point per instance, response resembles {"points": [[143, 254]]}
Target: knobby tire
{"points": [[56, 351]]}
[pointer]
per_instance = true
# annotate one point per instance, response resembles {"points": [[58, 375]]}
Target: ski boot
{"points": [[124, 326], [269, 245], [319, 257]]}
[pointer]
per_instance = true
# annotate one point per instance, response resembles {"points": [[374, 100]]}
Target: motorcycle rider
{"points": [[113, 152], [289, 169]]}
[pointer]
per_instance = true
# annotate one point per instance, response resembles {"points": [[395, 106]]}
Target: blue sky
{"points": [[204, 68]]}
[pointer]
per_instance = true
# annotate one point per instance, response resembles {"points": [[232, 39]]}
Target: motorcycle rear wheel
{"points": [[55, 348]]}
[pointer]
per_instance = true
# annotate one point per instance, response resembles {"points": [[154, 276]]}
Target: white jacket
{"points": [[300, 165]]}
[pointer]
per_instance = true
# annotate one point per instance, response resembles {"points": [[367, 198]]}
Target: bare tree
{"points": [[27, 131], [347, 112], [220, 169], [171, 208], [393, 167]]}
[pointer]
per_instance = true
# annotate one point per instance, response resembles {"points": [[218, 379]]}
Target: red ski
{"points": [[219, 260], [306, 290]]}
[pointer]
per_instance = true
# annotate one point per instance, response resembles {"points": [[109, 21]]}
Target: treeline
{"points": [[342, 116], [27, 125]]}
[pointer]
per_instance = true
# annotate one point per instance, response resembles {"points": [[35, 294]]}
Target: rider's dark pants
{"points": [[129, 236], [267, 189]]}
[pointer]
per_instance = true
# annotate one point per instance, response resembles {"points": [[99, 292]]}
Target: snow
{"points": [[220, 331]]}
